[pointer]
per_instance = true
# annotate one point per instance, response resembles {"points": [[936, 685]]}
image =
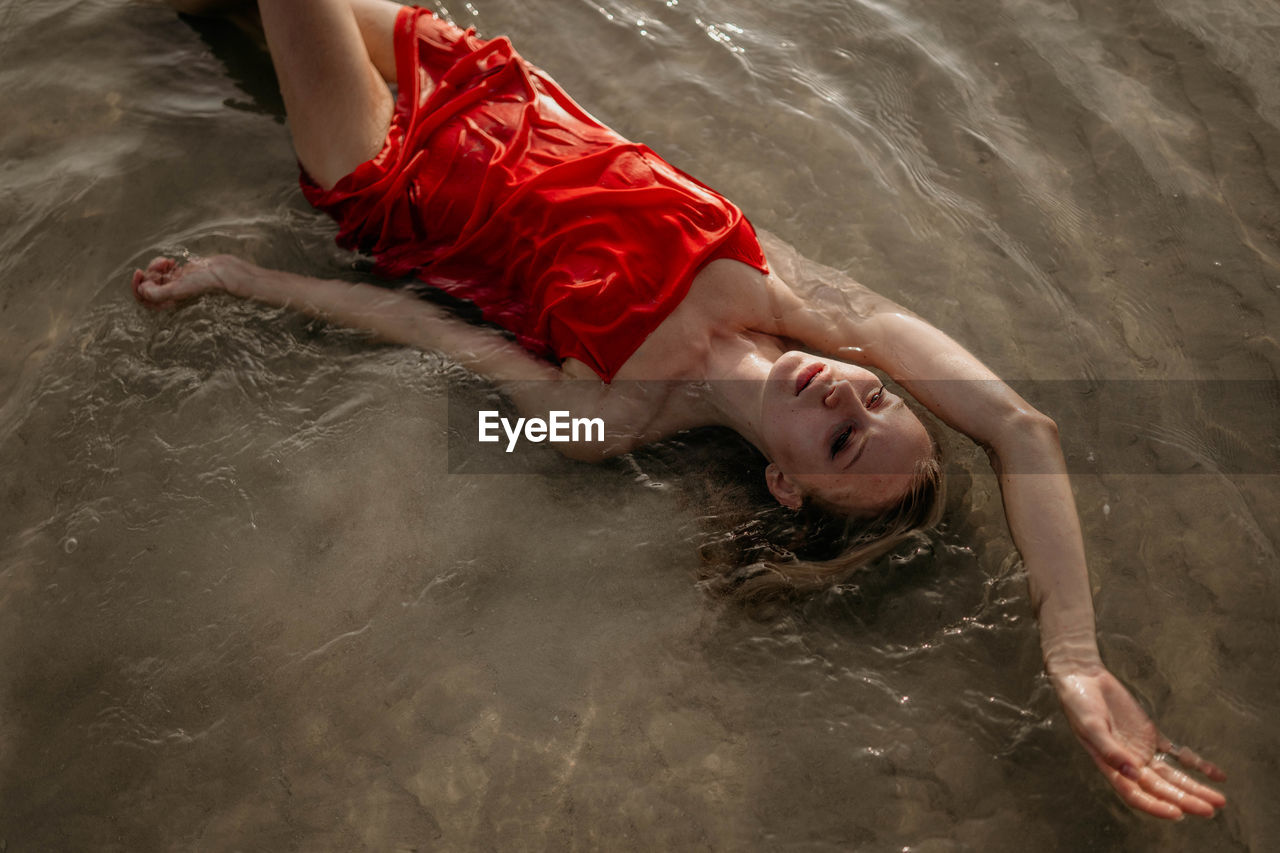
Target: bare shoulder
{"points": [[633, 413], [798, 300]]}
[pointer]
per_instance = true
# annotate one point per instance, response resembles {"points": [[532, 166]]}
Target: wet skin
{"points": [[836, 434]]}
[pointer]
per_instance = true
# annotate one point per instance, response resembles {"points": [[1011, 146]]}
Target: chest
{"points": [[727, 300]]}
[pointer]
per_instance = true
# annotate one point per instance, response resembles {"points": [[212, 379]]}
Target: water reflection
{"points": [[246, 604]]}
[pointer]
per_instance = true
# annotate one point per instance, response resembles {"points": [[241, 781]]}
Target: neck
{"points": [[736, 372]]}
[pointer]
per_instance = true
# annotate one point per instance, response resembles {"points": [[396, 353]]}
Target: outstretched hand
{"points": [[165, 282], [1131, 753]]}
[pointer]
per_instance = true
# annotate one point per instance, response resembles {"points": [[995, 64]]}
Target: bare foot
{"points": [[165, 282]]}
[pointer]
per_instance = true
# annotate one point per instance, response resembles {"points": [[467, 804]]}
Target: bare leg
{"points": [[333, 59], [375, 19], [339, 107]]}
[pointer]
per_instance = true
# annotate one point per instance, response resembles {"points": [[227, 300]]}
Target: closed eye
{"points": [[840, 441]]}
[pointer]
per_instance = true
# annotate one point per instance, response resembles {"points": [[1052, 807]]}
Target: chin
{"points": [[787, 363]]}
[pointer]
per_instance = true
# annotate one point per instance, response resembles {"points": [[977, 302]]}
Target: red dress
{"points": [[494, 186]]}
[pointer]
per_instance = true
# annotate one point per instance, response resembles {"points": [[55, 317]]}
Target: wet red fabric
{"points": [[496, 187]]}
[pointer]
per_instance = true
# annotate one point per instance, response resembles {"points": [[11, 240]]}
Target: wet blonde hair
{"points": [[755, 550], [783, 553]]}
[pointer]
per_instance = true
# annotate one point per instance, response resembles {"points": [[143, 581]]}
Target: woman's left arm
{"points": [[1024, 450]]}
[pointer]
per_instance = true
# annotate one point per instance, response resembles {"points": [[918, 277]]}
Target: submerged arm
{"points": [[1026, 455], [535, 386]]}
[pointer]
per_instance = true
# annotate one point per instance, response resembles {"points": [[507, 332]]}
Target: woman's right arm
{"points": [[534, 386], [391, 315]]}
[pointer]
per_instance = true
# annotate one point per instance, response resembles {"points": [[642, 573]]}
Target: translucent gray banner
{"points": [[1183, 427]]}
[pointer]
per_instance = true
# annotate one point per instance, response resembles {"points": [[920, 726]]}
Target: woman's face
{"points": [[833, 432]]}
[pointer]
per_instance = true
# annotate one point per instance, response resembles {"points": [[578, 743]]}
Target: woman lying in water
{"points": [[482, 178]]}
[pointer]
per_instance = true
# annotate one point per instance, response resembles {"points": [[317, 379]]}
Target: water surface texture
{"points": [[244, 604]]}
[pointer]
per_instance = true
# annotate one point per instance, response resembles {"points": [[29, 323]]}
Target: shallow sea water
{"points": [[244, 605]]}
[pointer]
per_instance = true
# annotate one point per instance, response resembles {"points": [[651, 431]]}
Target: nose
{"points": [[844, 400], [841, 394]]}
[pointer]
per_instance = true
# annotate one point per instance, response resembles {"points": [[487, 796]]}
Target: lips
{"points": [[806, 376]]}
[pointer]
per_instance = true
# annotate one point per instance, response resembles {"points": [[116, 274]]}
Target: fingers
{"points": [[148, 291], [1188, 757], [1136, 797], [144, 289], [1153, 780], [165, 283], [1127, 785], [1135, 758], [162, 265], [1159, 789], [1201, 799]]}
